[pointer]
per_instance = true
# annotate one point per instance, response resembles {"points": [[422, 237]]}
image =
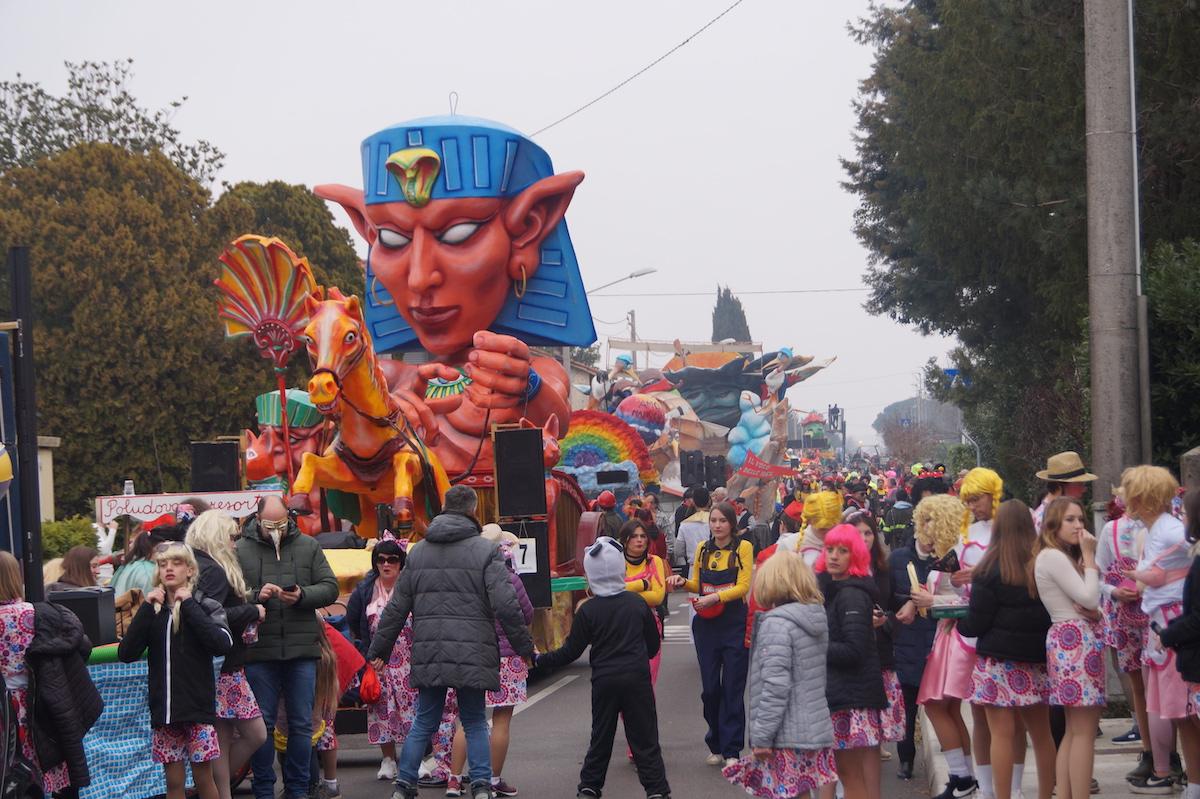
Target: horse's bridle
{"points": [[339, 376]]}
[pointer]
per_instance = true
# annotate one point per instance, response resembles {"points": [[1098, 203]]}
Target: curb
{"points": [[935, 765]]}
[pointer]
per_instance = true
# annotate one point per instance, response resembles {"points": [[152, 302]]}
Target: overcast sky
{"points": [[717, 166]]}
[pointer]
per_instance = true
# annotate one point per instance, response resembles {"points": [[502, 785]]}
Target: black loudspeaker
{"points": [[714, 471], [691, 468], [94, 607], [531, 558], [520, 472], [215, 466]]}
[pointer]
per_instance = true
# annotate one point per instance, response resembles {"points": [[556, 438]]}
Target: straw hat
{"points": [[1066, 467]]}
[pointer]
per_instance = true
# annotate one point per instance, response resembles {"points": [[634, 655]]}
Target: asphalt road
{"points": [[550, 735]]}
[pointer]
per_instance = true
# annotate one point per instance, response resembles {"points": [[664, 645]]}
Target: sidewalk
{"points": [[1112, 760]]}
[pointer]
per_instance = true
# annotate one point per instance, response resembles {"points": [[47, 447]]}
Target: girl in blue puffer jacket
{"points": [[791, 736]]}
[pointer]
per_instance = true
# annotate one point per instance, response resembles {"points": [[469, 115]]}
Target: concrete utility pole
{"points": [[633, 337], [1114, 280]]}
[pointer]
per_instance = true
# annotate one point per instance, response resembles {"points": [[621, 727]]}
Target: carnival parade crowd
{"points": [[819, 634]]}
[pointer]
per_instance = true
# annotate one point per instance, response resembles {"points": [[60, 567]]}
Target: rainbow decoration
{"points": [[644, 414], [599, 442]]}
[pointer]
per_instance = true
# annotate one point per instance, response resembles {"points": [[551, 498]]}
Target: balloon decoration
{"points": [[645, 415], [6, 471]]}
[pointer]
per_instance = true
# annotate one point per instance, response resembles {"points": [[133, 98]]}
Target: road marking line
{"points": [[538, 697]]}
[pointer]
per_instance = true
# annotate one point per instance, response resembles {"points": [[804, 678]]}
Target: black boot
{"points": [[905, 771]]}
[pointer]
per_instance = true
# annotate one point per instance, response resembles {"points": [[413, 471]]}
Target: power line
{"points": [[640, 72], [735, 293]]}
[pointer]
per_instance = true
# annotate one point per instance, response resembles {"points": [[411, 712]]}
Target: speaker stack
{"points": [[215, 466], [521, 505]]}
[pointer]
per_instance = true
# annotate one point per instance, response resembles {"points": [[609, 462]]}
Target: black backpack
{"points": [[898, 527]]}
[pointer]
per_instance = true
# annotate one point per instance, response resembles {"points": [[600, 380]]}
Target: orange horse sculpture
{"points": [[376, 454]]}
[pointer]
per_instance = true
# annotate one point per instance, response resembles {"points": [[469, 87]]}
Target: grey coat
{"points": [[456, 586], [787, 679]]}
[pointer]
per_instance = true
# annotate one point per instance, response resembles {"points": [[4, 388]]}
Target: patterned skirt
{"points": [[892, 717], [235, 700], [948, 666], [1008, 683], [856, 727], [787, 773], [1075, 664], [56, 778], [514, 675], [1125, 631], [184, 743]]}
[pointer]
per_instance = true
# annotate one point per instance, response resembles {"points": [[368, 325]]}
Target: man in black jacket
{"points": [[454, 584]]}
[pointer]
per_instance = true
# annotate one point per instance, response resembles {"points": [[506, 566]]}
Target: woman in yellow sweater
{"points": [[721, 577], [645, 575]]}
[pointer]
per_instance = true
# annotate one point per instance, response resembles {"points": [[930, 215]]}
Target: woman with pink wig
{"points": [[854, 679]]}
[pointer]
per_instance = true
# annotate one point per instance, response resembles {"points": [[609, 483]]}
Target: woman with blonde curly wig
{"points": [[947, 679]]}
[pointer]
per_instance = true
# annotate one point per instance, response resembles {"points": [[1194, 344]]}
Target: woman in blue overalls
{"points": [[721, 578]]}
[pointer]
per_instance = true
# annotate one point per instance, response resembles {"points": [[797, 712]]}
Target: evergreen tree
{"points": [[728, 318]]}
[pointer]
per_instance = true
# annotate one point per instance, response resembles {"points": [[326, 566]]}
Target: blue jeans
{"points": [[295, 681], [430, 702]]}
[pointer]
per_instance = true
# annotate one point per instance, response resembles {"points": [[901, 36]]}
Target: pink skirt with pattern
{"points": [[948, 667], [1075, 664], [514, 676], [235, 700], [892, 718], [1125, 632], [184, 743], [786, 773], [328, 740], [1193, 700], [856, 727], [1008, 683], [56, 778]]}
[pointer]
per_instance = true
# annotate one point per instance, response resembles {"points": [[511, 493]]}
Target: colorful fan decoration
{"points": [[596, 440], [263, 286]]}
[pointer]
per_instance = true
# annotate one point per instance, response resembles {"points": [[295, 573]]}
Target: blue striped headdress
{"points": [[456, 156]]}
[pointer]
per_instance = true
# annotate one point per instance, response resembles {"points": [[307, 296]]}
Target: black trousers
{"points": [[633, 699], [907, 749]]}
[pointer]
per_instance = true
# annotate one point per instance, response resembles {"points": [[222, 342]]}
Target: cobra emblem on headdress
{"points": [[415, 170]]}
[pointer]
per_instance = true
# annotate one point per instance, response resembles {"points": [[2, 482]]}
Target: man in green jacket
{"points": [[287, 572]]}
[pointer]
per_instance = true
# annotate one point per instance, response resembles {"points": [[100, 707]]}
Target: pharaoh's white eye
{"points": [[457, 234], [393, 239]]}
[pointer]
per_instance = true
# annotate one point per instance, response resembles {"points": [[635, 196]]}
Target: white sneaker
{"points": [[729, 761], [387, 769], [714, 759]]}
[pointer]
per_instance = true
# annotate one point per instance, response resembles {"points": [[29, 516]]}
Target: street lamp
{"points": [[638, 273], [649, 270]]}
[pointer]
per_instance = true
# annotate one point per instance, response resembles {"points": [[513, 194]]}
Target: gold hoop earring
{"points": [[375, 295], [524, 284]]}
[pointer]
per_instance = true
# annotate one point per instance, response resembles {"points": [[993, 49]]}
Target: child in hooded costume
{"points": [[620, 628]]}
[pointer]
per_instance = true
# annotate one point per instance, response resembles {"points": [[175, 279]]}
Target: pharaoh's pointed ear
{"points": [[551, 427], [351, 200], [533, 213]]}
